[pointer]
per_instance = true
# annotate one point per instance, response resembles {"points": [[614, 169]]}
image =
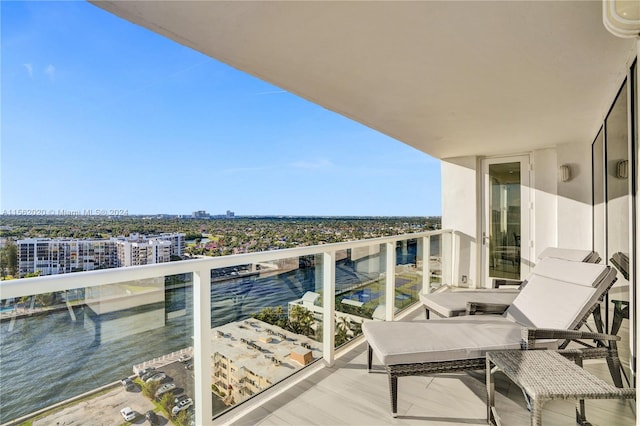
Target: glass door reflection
{"points": [[505, 227]]}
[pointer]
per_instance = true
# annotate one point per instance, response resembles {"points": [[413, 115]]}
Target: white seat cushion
{"points": [[447, 303], [558, 293], [445, 339], [567, 254], [586, 274], [549, 303]]}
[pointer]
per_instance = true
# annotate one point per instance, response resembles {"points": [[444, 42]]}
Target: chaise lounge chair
{"points": [[453, 303], [559, 296]]}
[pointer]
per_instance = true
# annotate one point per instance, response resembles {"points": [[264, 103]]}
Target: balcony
{"points": [[346, 394], [85, 331], [262, 318], [265, 314]]}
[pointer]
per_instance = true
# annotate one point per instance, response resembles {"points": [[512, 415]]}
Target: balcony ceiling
{"points": [[448, 78]]}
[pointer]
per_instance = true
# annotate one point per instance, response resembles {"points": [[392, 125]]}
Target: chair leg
{"points": [[491, 388], [613, 362], [597, 318], [614, 368], [536, 413], [581, 417], [393, 390], [369, 358]]}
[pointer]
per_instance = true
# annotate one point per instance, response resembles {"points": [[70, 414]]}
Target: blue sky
{"points": [[98, 113]]}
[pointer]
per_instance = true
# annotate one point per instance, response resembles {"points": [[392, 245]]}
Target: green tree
{"points": [[190, 235], [149, 389], [357, 328], [342, 332], [45, 299], [266, 315], [166, 402], [300, 320], [274, 316], [183, 418], [9, 259], [4, 263]]}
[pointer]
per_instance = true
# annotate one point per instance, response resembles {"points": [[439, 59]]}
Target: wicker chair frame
{"points": [[606, 347]]}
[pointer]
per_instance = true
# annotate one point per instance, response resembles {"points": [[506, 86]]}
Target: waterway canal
{"points": [[49, 358]]}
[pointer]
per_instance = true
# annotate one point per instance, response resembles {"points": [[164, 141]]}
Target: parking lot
{"points": [[182, 377], [102, 410], [105, 409]]}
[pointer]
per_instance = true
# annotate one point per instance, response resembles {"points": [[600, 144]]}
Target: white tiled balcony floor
{"points": [[347, 395]]}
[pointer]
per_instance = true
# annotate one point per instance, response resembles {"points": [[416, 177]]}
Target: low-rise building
{"points": [[251, 355]]}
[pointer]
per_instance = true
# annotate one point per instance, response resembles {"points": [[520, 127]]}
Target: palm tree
{"points": [[300, 320], [342, 332]]}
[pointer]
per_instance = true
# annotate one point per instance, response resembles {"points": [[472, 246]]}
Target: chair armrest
{"points": [[485, 308], [530, 335], [498, 282], [586, 353]]}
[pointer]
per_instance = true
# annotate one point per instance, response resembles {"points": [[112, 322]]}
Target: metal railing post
{"points": [[390, 281], [202, 345], [328, 306], [426, 265], [454, 261]]}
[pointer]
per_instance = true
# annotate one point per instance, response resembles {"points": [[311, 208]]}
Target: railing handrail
{"points": [[60, 282], [325, 281]]}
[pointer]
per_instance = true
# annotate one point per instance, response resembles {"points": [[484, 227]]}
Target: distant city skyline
{"points": [[99, 114]]}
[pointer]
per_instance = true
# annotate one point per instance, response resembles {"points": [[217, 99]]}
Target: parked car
{"points": [[148, 374], [127, 383], [158, 377], [182, 405], [185, 357], [179, 398], [188, 365], [128, 414], [167, 387], [145, 371], [152, 418]]}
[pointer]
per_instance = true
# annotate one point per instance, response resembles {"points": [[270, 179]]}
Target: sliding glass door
{"points": [[506, 217], [613, 215]]}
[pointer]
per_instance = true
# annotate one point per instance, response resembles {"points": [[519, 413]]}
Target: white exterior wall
{"points": [[460, 208], [561, 215], [575, 225], [544, 185]]}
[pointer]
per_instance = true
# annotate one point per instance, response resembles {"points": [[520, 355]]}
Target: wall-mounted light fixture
{"points": [[564, 173], [622, 169], [622, 17]]}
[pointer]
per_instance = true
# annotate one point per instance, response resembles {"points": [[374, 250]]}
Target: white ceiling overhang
{"points": [[448, 78]]}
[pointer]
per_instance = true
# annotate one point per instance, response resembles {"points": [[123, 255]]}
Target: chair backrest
{"points": [[560, 293], [576, 255], [621, 262]]}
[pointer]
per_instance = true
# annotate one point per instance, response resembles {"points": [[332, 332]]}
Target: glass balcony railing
{"points": [[220, 330], [64, 343]]}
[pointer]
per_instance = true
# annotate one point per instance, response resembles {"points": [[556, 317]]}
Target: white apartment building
{"points": [[53, 256], [61, 256], [143, 252], [177, 242]]}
